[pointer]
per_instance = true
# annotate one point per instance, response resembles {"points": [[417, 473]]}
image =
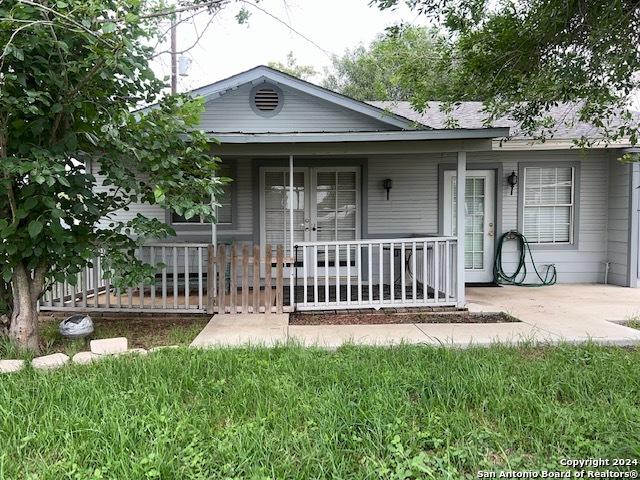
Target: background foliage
{"points": [[383, 70], [525, 57]]}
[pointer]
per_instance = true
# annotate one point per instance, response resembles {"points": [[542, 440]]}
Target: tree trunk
{"points": [[6, 300], [23, 328]]}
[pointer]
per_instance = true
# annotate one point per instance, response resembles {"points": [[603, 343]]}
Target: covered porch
{"points": [[321, 199], [315, 197]]}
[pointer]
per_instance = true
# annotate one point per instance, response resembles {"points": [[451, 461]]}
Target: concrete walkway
{"points": [[562, 313], [233, 330]]}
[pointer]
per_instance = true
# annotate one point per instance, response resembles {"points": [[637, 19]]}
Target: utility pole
{"points": [[174, 60]]}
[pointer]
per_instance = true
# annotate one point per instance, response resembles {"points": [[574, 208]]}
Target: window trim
{"points": [[206, 227], [573, 244]]}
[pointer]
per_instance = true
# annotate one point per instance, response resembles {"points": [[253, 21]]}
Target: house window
{"points": [[549, 204], [225, 210]]}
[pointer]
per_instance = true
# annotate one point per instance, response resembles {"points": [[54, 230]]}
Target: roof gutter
{"points": [[393, 136]]}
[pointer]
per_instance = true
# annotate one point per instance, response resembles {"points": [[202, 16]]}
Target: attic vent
{"points": [[266, 100]]}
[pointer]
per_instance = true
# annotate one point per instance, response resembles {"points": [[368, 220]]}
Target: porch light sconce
{"points": [[512, 180], [387, 184]]}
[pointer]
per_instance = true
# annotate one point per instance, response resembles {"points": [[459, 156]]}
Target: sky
{"points": [[324, 27], [227, 48]]}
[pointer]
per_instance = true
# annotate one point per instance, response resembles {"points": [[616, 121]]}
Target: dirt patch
{"points": [[142, 332], [387, 318]]}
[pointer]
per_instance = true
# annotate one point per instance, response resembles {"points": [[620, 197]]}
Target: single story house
{"points": [[365, 196]]}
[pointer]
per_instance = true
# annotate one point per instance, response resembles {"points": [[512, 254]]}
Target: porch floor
{"points": [[137, 300]]}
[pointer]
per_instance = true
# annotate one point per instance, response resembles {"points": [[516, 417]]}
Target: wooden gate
{"points": [[247, 279]]}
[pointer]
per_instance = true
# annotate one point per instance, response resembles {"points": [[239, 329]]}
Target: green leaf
{"points": [[34, 228], [159, 194], [109, 27], [64, 181], [17, 52]]}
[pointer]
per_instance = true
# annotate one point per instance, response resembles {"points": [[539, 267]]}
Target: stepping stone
{"points": [[50, 362], [83, 358], [109, 346], [10, 366]]}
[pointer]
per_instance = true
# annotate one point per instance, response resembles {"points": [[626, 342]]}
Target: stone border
{"points": [[101, 349]]}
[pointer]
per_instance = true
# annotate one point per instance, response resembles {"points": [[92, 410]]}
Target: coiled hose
{"points": [[518, 277]]}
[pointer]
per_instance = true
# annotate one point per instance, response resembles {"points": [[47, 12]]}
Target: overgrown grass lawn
{"points": [[289, 412]]}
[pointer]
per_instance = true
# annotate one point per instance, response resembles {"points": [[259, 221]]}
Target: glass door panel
{"points": [[479, 221]]}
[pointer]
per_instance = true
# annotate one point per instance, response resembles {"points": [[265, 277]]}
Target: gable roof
{"points": [[471, 115], [263, 73]]}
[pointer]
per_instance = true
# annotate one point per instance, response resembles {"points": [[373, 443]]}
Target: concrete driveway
{"points": [[561, 313], [570, 312]]}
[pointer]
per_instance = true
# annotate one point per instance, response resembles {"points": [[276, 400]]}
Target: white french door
{"points": [[479, 232], [326, 207]]}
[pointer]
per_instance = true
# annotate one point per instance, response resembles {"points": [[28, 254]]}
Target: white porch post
{"points": [[214, 241], [292, 266], [460, 226], [214, 226]]}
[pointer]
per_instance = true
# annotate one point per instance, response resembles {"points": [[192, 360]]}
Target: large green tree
{"points": [[292, 67], [526, 56], [72, 73], [379, 71]]}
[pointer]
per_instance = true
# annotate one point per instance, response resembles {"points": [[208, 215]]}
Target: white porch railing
{"points": [[388, 273], [178, 286]]}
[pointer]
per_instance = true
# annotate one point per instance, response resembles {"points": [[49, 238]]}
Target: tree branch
{"points": [[10, 193], [172, 11], [68, 19], [38, 281], [193, 45]]}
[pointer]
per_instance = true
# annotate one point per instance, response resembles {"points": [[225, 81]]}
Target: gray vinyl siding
{"points": [[413, 201], [618, 226], [585, 262], [301, 112], [413, 206]]}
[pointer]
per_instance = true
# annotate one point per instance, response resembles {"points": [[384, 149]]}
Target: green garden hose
{"points": [[518, 277]]}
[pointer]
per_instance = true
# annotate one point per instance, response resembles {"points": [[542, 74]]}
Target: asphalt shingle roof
{"points": [[470, 115]]}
